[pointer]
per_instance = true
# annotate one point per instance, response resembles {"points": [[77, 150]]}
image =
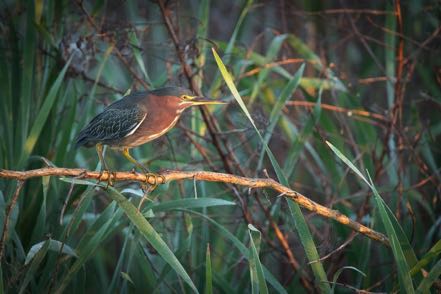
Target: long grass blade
{"points": [[400, 259], [26, 87], [273, 50], [208, 272], [242, 249], [276, 112], [432, 254], [138, 57], [301, 139], [146, 229], [36, 260], [90, 241], [189, 203], [52, 245], [229, 49], [299, 221], [258, 284], [42, 115], [428, 281]]}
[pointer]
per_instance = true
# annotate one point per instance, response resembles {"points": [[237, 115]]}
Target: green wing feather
{"points": [[110, 126]]}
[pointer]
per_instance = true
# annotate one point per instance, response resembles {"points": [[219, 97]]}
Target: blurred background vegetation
{"points": [[370, 84]]}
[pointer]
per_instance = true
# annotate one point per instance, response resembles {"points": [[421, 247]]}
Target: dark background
{"points": [[371, 86]]}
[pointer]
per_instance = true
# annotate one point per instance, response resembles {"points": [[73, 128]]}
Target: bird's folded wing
{"points": [[114, 124]]}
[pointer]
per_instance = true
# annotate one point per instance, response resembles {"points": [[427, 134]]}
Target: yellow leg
{"points": [[127, 155], [99, 150], [148, 174], [104, 167]]}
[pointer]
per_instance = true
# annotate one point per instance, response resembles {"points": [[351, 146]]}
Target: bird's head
{"points": [[182, 98]]}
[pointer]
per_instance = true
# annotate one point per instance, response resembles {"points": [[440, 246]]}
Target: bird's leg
{"points": [[145, 189], [148, 174], [104, 167]]}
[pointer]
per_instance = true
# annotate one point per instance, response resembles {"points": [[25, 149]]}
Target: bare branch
{"points": [[174, 175]]}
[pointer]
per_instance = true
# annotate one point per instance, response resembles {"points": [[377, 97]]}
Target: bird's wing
{"points": [[113, 124]]}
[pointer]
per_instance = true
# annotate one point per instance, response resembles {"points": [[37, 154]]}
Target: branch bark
{"points": [[174, 175]]}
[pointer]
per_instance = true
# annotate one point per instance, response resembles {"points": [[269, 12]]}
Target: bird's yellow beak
{"points": [[204, 101]]}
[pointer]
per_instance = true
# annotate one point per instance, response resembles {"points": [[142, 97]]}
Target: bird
{"points": [[136, 119]]}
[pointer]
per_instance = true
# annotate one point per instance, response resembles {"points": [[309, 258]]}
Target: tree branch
{"points": [[174, 175]]}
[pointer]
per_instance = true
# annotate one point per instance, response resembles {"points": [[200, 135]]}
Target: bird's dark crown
{"points": [[171, 91]]}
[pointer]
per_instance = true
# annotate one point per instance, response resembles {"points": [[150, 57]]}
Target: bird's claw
{"points": [[155, 181], [148, 187], [110, 176]]}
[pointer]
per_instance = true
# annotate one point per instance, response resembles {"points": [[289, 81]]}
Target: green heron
{"points": [[137, 119]]}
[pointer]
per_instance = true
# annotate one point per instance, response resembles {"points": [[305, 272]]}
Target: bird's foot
{"points": [[150, 185], [157, 179], [109, 177]]}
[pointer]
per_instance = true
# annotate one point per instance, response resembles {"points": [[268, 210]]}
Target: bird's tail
{"points": [[82, 140]]}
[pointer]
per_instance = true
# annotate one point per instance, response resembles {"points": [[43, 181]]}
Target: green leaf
{"points": [[258, 284], [273, 50], [338, 273], [301, 139], [217, 81], [432, 254], [202, 33], [189, 203], [276, 112], [400, 258], [27, 78], [137, 54], [127, 277], [52, 245], [146, 229], [229, 81], [208, 273], [242, 249], [42, 115], [314, 60], [37, 258], [347, 162], [428, 281], [91, 240], [299, 221]]}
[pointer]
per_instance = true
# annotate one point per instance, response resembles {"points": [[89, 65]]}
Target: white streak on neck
{"points": [[185, 103], [154, 136]]}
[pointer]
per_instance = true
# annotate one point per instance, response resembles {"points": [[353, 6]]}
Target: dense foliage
{"points": [[364, 76]]}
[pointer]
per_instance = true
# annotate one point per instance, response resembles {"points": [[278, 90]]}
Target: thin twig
{"points": [[175, 175], [187, 71], [349, 112], [119, 55], [397, 110], [339, 248], [11, 205]]}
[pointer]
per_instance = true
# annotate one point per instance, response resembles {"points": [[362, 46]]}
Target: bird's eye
{"points": [[187, 97]]}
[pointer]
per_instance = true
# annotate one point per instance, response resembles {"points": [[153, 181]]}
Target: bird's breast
{"points": [[154, 126]]}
